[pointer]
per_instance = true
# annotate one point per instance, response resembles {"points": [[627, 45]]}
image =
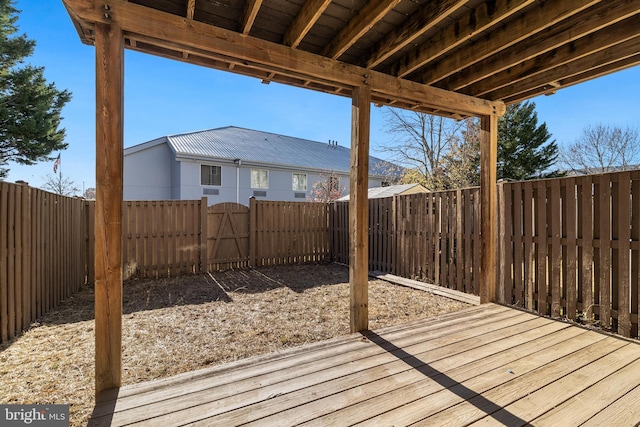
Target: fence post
{"points": [[204, 234], [501, 282], [332, 240], [253, 258], [27, 295], [459, 256], [90, 224], [394, 232]]}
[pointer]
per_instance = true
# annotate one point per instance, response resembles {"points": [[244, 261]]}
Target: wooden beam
{"points": [[166, 28], [359, 209], [309, 13], [249, 13], [557, 74], [477, 20], [108, 214], [489, 208], [591, 74], [613, 38], [364, 20], [428, 16], [536, 21], [573, 28]]}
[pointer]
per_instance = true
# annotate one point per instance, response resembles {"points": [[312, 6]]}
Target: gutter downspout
{"points": [[238, 163]]}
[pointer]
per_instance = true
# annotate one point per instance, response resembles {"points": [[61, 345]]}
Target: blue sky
{"points": [[164, 97]]}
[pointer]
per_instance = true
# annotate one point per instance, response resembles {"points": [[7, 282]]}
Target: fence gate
{"points": [[228, 236]]}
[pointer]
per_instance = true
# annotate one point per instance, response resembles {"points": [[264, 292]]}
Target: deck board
{"points": [[487, 365], [546, 398]]}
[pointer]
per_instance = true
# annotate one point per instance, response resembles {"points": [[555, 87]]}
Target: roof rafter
{"points": [[364, 20], [477, 20], [251, 8], [593, 43], [579, 25], [603, 70], [191, 9], [309, 13], [166, 29], [534, 21], [428, 16], [569, 69]]}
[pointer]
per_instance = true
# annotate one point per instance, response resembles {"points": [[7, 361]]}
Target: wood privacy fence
{"points": [[43, 253], [568, 247], [163, 237], [174, 237], [571, 247], [433, 237], [47, 243], [288, 232]]}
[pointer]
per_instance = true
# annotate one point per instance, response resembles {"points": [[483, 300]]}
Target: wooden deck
{"points": [[488, 365]]}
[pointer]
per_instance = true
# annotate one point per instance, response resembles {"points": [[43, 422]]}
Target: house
{"points": [[232, 164], [390, 191]]}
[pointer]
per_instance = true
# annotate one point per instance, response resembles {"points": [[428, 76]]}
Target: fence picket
{"points": [[604, 276], [555, 218], [623, 294], [518, 260], [585, 280], [569, 225], [541, 246], [634, 279]]}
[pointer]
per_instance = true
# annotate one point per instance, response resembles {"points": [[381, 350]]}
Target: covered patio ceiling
{"points": [[491, 50]]}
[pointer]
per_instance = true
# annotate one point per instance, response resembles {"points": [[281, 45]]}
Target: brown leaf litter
{"points": [[175, 325]]}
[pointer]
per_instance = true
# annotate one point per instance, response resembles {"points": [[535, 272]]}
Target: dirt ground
{"points": [[174, 325]]}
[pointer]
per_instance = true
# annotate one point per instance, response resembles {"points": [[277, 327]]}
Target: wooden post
{"points": [[253, 234], [359, 209], [108, 214], [204, 234], [489, 207]]}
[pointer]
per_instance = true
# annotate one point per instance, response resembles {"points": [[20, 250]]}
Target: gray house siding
{"points": [[147, 173], [170, 167], [175, 179]]}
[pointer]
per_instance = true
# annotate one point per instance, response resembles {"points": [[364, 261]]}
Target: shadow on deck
{"points": [[487, 364]]}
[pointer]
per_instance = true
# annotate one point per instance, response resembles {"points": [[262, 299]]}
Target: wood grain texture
{"points": [[108, 221], [489, 206], [173, 31], [486, 364], [359, 209]]}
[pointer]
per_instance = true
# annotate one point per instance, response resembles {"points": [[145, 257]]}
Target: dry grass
{"points": [[183, 324]]}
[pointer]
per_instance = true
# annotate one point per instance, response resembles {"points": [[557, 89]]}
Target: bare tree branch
{"points": [[60, 185], [602, 148]]}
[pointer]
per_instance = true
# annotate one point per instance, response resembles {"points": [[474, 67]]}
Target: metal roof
{"points": [[389, 191], [255, 146]]}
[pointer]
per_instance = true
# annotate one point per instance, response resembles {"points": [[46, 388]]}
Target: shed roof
{"points": [[390, 191], [259, 147]]}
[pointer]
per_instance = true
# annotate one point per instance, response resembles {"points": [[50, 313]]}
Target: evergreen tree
{"points": [[29, 106], [524, 150]]}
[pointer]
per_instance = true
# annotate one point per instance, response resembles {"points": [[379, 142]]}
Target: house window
{"points": [[210, 175], [333, 184], [299, 182], [259, 178]]}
